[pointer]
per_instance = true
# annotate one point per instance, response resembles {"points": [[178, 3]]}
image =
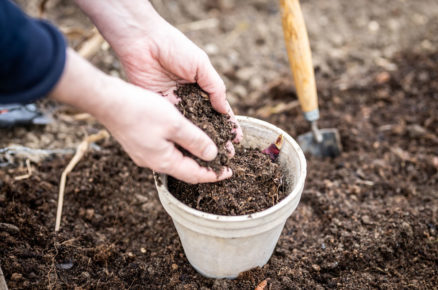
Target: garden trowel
{"points": [[318, 142]]}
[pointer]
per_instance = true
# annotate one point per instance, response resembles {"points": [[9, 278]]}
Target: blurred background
{"points": [[244, 40]]}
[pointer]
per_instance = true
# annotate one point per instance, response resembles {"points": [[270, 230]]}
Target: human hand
{"points": [[148, 127], [154, 54], [145, 124]]}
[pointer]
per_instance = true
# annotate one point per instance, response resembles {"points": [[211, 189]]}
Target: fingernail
{"points": [[210, 152], [228, 108]]}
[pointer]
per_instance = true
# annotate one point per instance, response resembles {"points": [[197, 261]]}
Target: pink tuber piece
{"points": [[274, 149]]}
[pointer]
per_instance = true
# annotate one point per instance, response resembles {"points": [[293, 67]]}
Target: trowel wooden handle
{"points": [[300, 57]]}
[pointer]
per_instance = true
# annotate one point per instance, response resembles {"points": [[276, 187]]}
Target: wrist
{"points": [[83, 86]]}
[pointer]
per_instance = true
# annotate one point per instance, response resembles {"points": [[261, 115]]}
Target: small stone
{"points": [[383, 77], [240, 91], [16, 276], [65, 265], [245, 73], [373, 26], [435, 161], [407, 229], [316, 267], [211, 49], [105, 46], [366, 220], [89, 213], [174, 267], [141, 198], [130, 254], [256, 82], [416, 130]]}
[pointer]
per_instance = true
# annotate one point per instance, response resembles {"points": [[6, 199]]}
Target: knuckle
{"points": [[176, 126], [196, 140], [167, 161]]}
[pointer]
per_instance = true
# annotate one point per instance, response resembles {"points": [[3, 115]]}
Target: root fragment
{"points": [[80, 151], [28, 174]]}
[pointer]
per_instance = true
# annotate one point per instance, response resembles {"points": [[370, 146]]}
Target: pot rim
{"points": [[299, 185]]}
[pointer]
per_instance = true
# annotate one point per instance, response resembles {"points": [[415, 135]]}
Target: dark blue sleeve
{"points": [[32, 56]]}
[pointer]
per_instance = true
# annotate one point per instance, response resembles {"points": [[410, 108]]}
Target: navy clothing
{"points": [[32, 56]]}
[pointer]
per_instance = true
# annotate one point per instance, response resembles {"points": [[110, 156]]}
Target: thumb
{"points": [[194, 140]]}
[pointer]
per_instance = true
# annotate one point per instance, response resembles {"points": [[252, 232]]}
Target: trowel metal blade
{"points": [[329, 147]]}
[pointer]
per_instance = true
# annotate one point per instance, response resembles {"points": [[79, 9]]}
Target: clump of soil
{"points": [[256, 184], [195, 106]]}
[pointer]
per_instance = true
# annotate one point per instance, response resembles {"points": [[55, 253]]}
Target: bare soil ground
{"points": [[367, 219]]}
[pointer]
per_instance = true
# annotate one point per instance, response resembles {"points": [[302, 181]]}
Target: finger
{"points": [[238, 129], [194, 140], [230, 149], [210, 81], [187, 170]]}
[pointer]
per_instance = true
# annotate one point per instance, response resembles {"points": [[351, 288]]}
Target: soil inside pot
{"points": [[257, 182]]}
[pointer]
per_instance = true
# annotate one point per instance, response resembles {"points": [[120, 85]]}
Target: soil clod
{"points": [[195, 105]]}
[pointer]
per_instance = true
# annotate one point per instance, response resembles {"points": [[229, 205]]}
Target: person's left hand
{"points": [[166, 58]]}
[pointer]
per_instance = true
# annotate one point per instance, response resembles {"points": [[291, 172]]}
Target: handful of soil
{"points": [[256, 183], [195, 105]]}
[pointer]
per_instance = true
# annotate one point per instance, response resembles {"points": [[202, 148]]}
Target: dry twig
{"points": [[28, 174], [76, 117], [199, 25], [269, 110], [80, 151], [92, 45]]}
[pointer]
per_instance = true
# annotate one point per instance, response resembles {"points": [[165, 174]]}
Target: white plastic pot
{"points": [[223, 246]]}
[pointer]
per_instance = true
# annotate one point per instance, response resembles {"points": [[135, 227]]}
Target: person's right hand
{"points": [[145, 124], [148, 127]]}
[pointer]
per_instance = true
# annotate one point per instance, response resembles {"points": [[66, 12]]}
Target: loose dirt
{"points": [[256, 184], [195, 105], [368, 218]]}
